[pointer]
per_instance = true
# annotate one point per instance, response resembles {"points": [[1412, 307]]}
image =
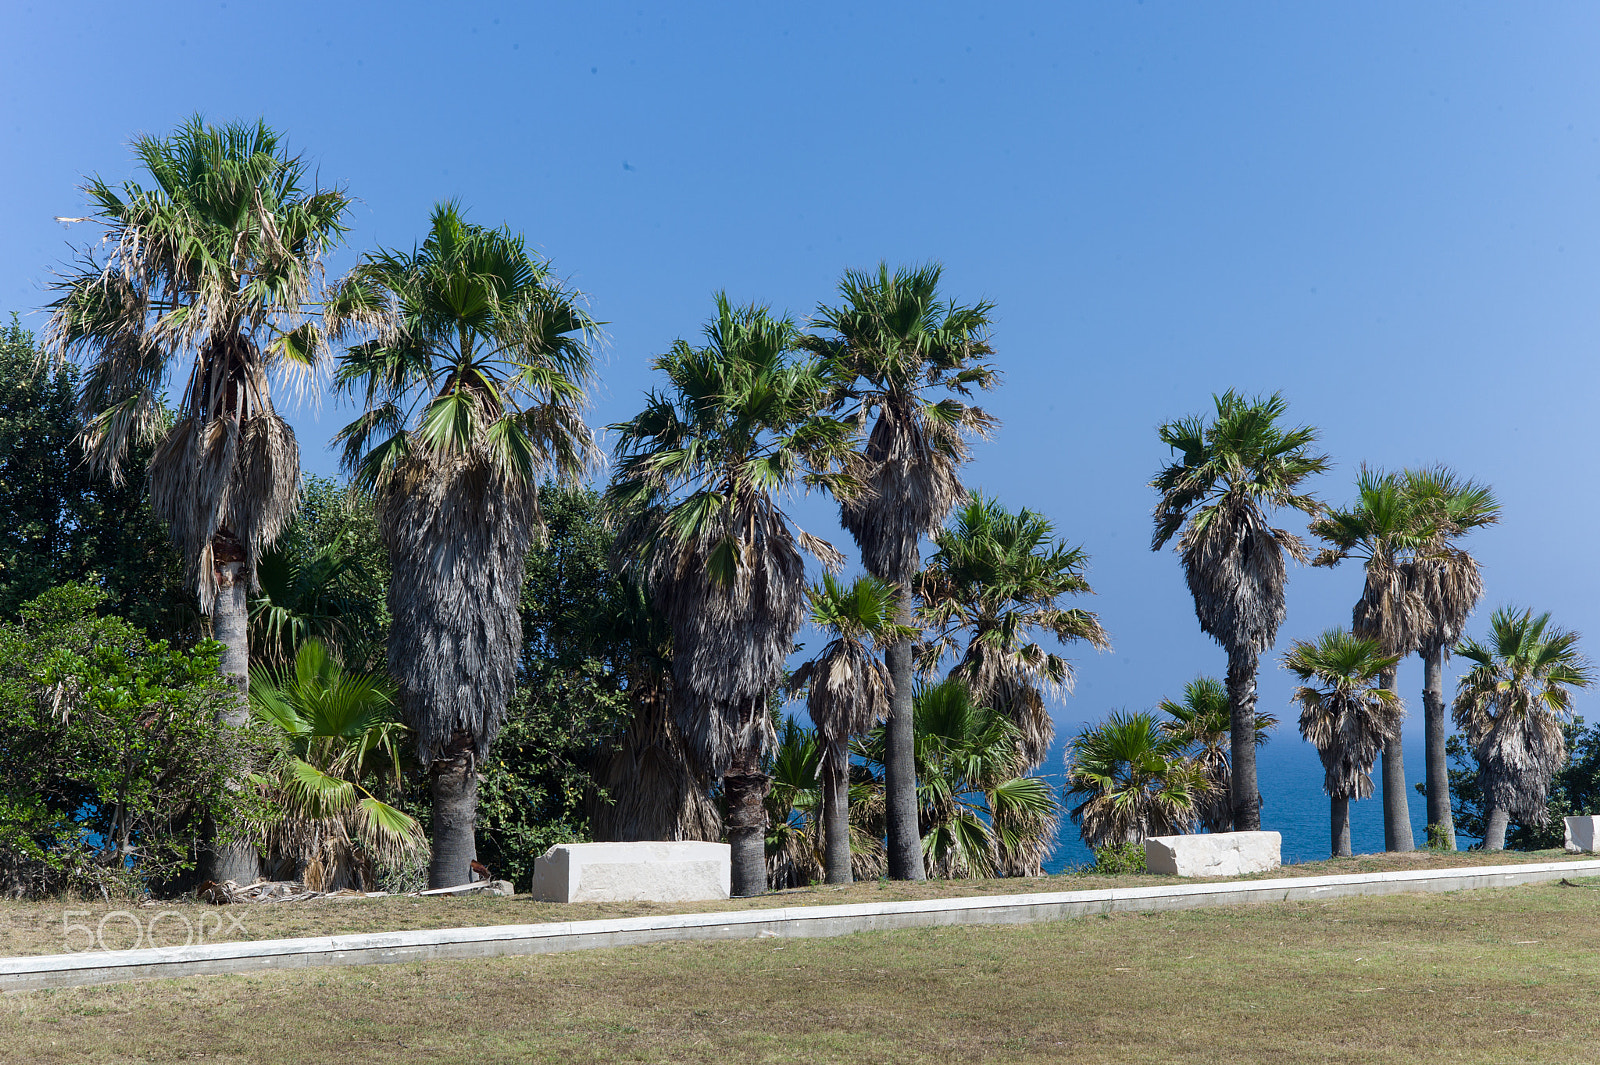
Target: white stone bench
{"points": [[632, 872], [1214, 853], [1582, 833]]}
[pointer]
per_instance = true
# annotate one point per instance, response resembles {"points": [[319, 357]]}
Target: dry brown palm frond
{"points": [[458, 538], [1235, 570], [731, 638], [848, 689], [1448, 584], [1392, 609], [647, 787]]}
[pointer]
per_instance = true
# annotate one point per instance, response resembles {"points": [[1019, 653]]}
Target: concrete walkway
{"points": [[100, 967]]}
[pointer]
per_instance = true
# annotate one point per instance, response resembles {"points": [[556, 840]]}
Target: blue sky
{"points": [[1389, 212]]}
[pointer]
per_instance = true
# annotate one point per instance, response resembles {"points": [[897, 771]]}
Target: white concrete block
{"points": [[1214, 853], [632, 872], [1582, 832]]}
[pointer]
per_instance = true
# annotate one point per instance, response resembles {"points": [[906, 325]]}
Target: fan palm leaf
{"points": [[1202, 722], [340, 741], [1133, 780]]}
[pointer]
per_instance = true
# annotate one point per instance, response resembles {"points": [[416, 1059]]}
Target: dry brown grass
{"points": [[1487, 976], [39, 927]]}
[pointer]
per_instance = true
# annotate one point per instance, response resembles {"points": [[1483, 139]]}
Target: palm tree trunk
{"points": [[1339, 811], [1441, 824], [900, 758], [745, 786], [455, 811], [836, 818], [230, 617], [1242, 790], [1396, 807], [1495, 822]]}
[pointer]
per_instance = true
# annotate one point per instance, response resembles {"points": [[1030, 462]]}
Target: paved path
{"points": [[100, 967]]}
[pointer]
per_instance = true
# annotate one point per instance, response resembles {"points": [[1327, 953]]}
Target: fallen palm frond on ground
{"points": [[290, 891]]}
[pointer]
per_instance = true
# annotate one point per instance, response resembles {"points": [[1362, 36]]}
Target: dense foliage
{"points": [[113, 757], [61, 522]]}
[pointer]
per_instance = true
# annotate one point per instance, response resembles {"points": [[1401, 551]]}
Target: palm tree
{"points": [[339, 734], [700, 471], [1511, 705], [1218, 492], [472, 393], [1134, 780], [997, 579], [215, 265], [1201, 722], [1389, 531], [910, 360], [1347, 714], [980, 813], [1450, 586], [847, 693], [796, 848]]}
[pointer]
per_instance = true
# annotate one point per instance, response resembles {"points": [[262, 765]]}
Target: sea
{"points": [[1289, 776]]}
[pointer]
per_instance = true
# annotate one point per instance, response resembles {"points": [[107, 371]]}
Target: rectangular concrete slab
{"points": [[1582, 833], [1214, 853], [633, 872]]}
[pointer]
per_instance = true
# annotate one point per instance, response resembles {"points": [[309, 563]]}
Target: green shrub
{"points": [[112, 757], [1119, 858]]}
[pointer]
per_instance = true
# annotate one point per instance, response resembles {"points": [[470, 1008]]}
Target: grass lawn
{"points": [[1505, 975], [40, 927]]}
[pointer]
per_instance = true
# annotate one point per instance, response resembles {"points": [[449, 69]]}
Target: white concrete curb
{"points": [[99, 967]]}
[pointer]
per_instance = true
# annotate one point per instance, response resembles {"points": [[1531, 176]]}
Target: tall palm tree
{"points": [[340, 738], [911, 360], [472, 393], [1229, 473], [1347, 714], [997, 579], [1450, 586], [1201, 722], [1134, 781], [1387, 529], [847, 693], [980, 813], [1511, 704], [214, 266], [700, 471]]}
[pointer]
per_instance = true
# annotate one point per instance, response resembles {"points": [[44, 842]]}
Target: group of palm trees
{"points": [[1141, 777], [470, 363]]}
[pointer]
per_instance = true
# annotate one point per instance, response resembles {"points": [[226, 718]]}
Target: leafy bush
{"points": [[112, 757], [1119, 858]]}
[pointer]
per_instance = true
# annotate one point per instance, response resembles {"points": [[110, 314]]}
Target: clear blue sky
{"points": [[1390, 212]]}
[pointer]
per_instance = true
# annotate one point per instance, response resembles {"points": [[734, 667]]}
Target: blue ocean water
{"points": [[1289, 775]]}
